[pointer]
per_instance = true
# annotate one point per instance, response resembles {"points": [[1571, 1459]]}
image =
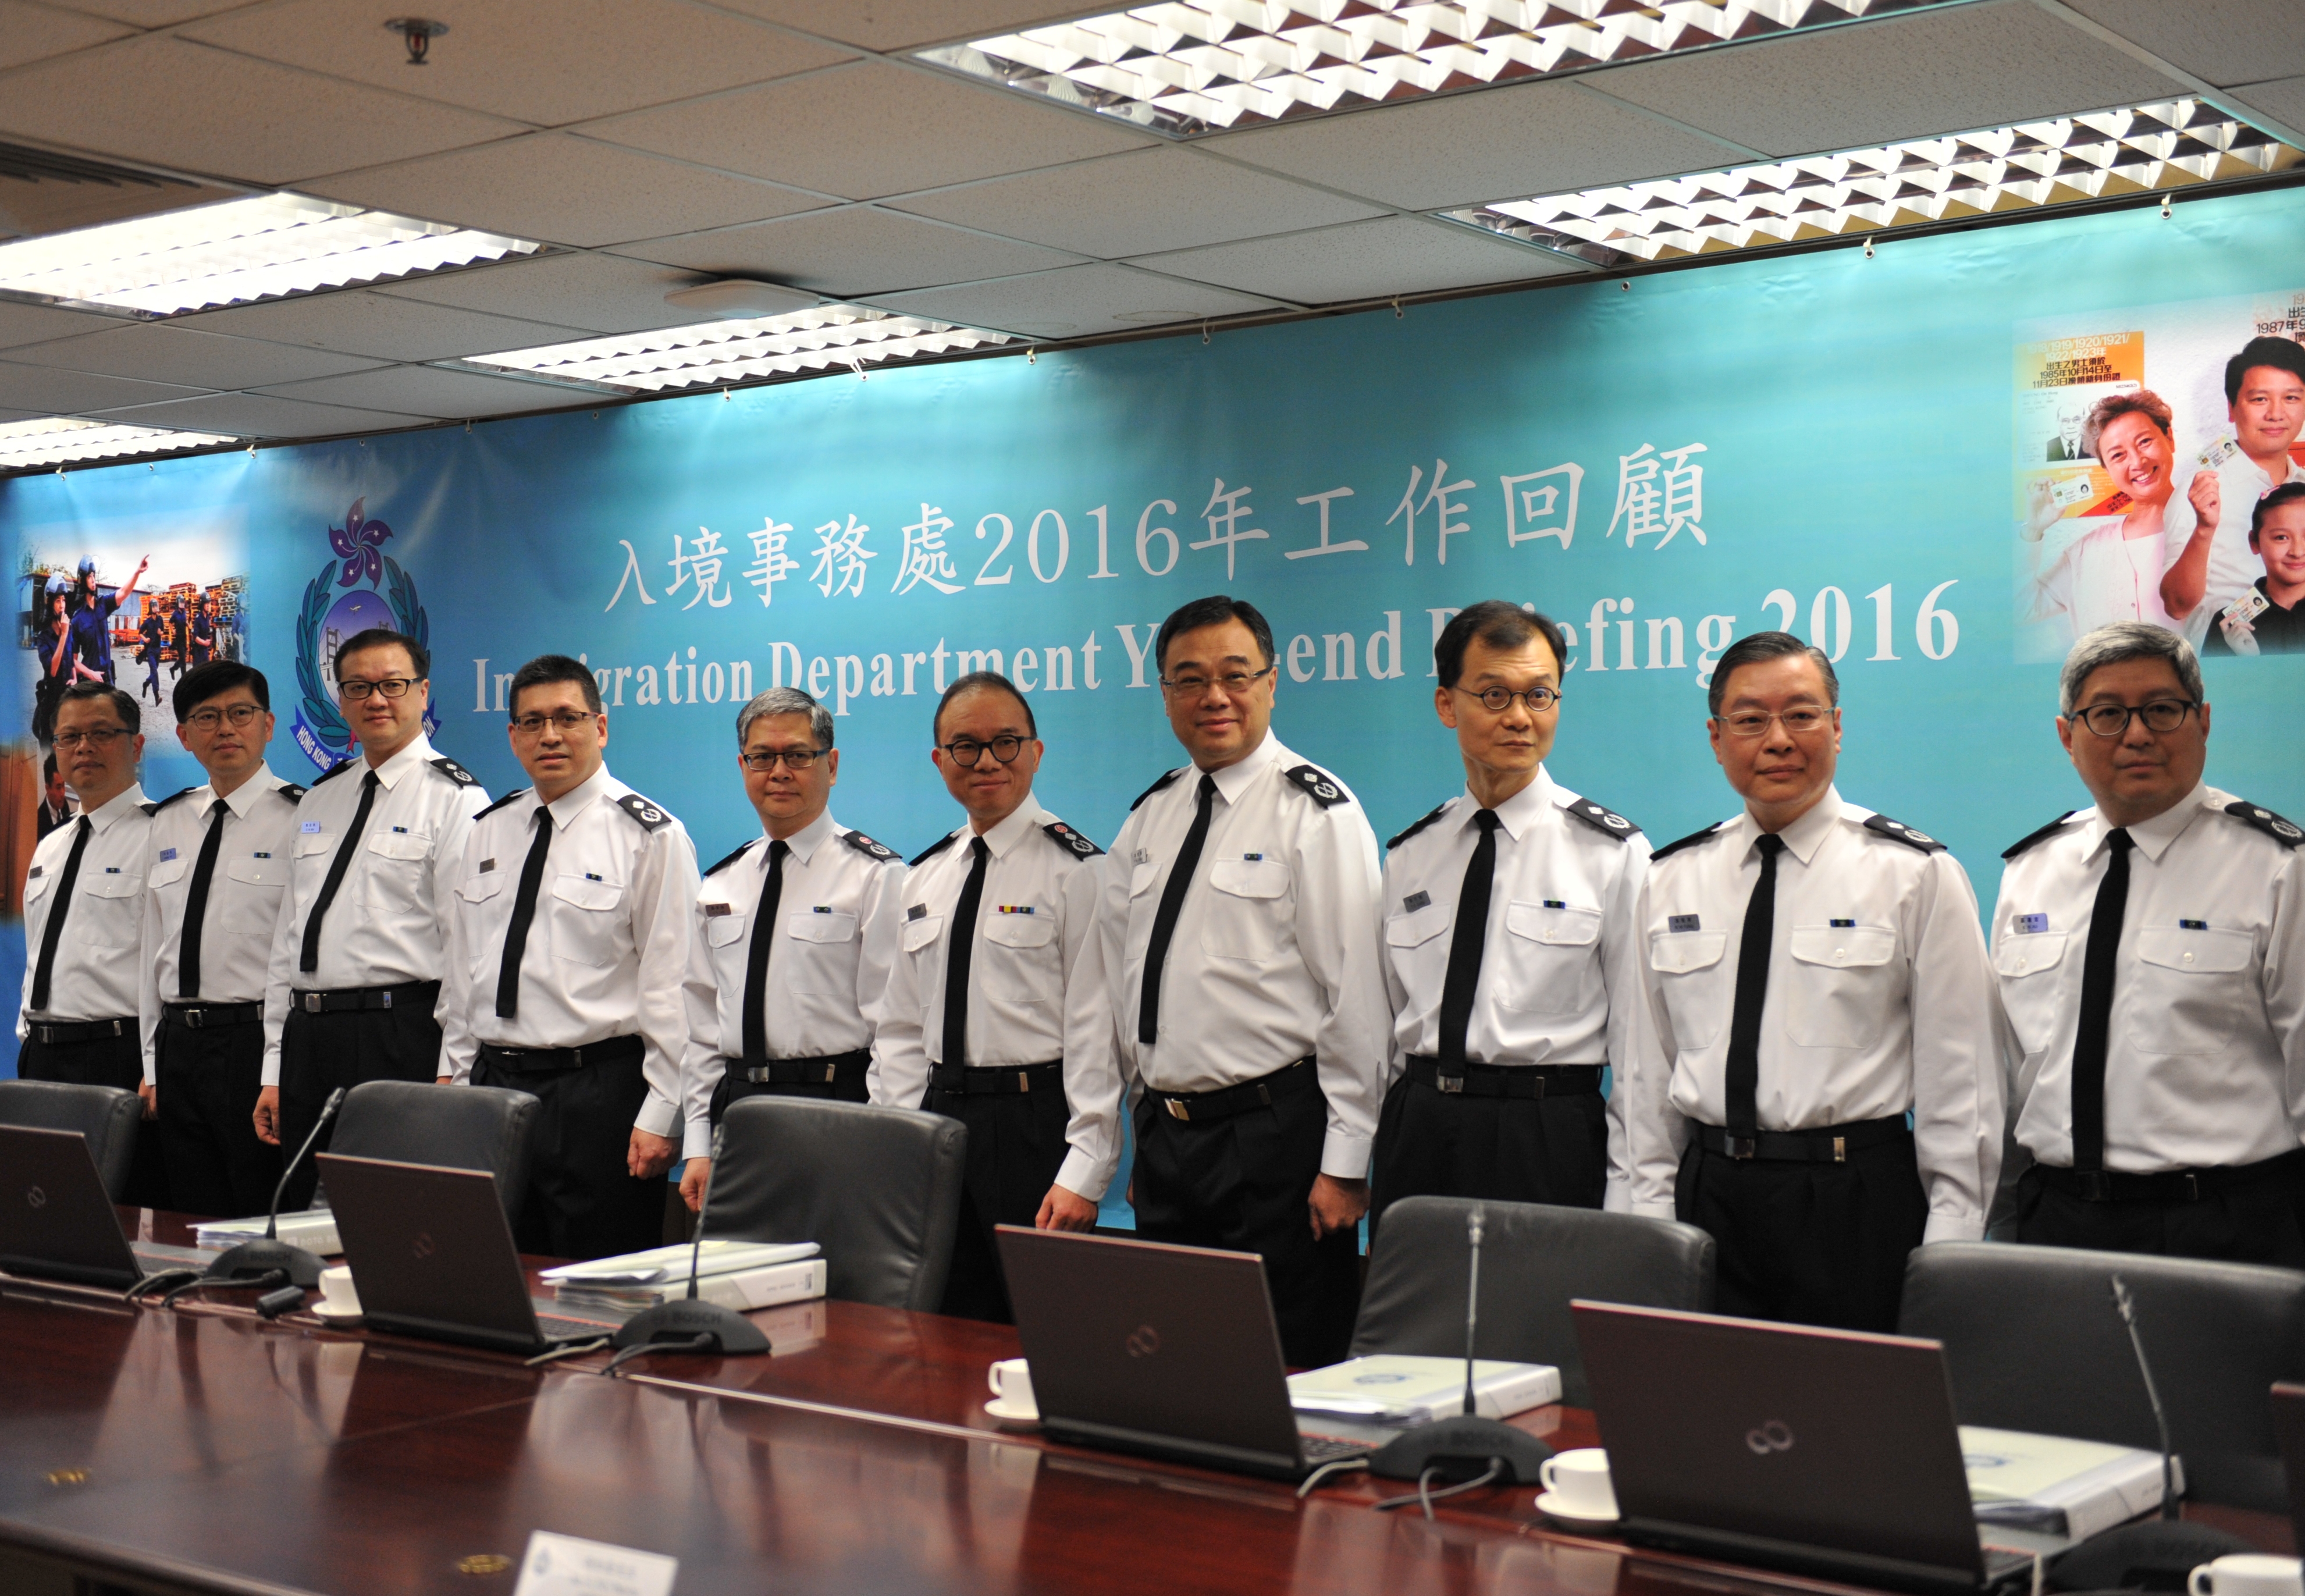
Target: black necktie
{"points": [[1466, 943], [1172, 904], [310, 959], [196, 905], [756, 958], [2097, 1003], [956, 956], [1744, 1073], [59, 905], [524, 910]]}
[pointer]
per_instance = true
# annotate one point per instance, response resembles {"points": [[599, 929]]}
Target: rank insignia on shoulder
{"points": [[333, 771], [155, 808], [291, 791], [1071, 840], [1691, 841], [871, 850], [1602, 820], [2284, 832], [456, 773], [1318, 784], [1438, 810], [732, 858], [2043, 835], [1897, 830], [932, 850], [500, 803], [1165, 777], [643, 811]]}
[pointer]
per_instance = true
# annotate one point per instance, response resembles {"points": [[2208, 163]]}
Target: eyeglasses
{"points": [[1497, 700], [563, 721], [1234, 682], [98, 738], [391, 687], [2112, 720], [208, 720], [1797, 723], [797, 760], [966, 751]]}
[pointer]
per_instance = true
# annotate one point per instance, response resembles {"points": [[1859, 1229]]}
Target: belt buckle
{"points": [[2097, 1185], [192, 1018], [1448, 1084], [1840, 1149], [1024, 1082], [387, 1000], [1177, 1110], [311, 1002], [2193, 1186], [827, 1074], [1741, 1147]]}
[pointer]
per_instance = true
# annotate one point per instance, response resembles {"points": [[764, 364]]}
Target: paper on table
{"points": [[668, 1263], [569, 1566]]}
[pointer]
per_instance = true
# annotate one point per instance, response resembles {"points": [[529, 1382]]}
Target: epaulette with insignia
{"points": [[1606, 821], [2043, 835], [291, 792], [1691, 841], [871, 850], [741, 851], [2284, 832], [936, 848], [1148, 792], [1897, 830], [155, 808], [1439, 809], [500, 803], [333, 771], [642, 810], [1318, 785], [1071, 840], [456, 773]]}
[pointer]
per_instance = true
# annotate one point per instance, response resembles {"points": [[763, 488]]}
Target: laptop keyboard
{"points": [[1319, 1449], [573, 1330]]}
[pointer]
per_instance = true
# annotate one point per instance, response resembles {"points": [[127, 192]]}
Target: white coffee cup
{"points": [[336, 1290], [1578, 1483], [1011, 1380], [2247, 1574]]}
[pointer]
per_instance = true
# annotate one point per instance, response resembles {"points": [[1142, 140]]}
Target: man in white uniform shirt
{"points": [[997, 1012], [2209, 562], [569, 942], [1240, 924], [1509, 957], [1814, 973], [219, 865], [354, 992], [84, 920], [793, 936], [2151, 955]]}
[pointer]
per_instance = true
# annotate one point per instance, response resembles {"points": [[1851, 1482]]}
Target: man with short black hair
{"points": [[354, 992], [2210, 566], [1815, 973], [219, 868]]}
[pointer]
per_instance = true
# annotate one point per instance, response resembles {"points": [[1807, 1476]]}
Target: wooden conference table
{"points": [[201, 1448]]}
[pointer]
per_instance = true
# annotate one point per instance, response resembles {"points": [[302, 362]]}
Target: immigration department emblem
{"points": [[360, 586]]}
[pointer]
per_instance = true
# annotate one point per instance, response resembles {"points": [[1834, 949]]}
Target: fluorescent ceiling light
{"points": [[59, 440], [716, 353], [236, 251], [1209, 65], [2142, 149]]}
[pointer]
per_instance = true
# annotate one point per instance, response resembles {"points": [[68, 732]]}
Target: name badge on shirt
{"points": [[711, 910], [1416, 900], [166, 854], [2031, 925], [1681, 922], [309, 828], [1142, 858], [487, 866], [2192, 925], [918, 911], [36, 871]]}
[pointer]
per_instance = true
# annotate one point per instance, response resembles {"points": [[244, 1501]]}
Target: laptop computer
{"points": [[57, 1222], [1163, 1351], [1822, 1452], [432, 1256]]}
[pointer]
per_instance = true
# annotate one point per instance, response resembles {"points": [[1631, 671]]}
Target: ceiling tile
{"points": [[599, 293], [2220, 41], [1076, 302], [362, 323], [1164, 199], [1465, 149], [148, 14], [564, 189], [2284, 101], [869, 130], [844, 253], [904, 24], [419, 391], [36, 32], [260, 415], [189, 107], [540, 61], [21, 324], [1936, 71], [1360, 261], [163, 352], [45, 389]]}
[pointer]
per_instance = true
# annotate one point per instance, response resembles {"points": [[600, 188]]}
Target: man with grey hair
{"points": [[795, 933], [2150, 952]]}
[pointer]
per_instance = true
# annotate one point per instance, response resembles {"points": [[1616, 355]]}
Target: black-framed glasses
{"points": [[1234, 682], [797, 760], [966, 751], [95, 737], [391, 687], [2112, 720], [1497, 700], [565, 722], [1798, 722], [211, 718]]}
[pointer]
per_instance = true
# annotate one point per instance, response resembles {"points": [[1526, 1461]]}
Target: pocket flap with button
{"points": [[726, 927], [398, 845], [1408, 930], [2195, 952], [258, 872], [480, 888], [1020, 931], [1676, 952], [1141, 878], [585, 893], [167, 873], [1558, 924], [111, 883], [312, 842], [1250, 878], [923, 932], [807, 925], [2029, 954], [37, 886], [1843, 947]]}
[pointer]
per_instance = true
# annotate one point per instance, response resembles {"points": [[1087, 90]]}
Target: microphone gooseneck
{"points": [[270, 1261], [1472, 1303], [703, 1206], [2127, 1309], [327, 1111]]}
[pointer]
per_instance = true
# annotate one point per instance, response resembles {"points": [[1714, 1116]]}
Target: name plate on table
{"points": [[567, 1566]]}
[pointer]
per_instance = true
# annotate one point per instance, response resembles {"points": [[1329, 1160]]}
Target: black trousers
{"points": [[1809, 1243], [1431, 1143], [579, 1201], [2242, 1220], [208, 1079], [320, 1052], [1016, 1146], [107, 1061], [1243, 1184]]}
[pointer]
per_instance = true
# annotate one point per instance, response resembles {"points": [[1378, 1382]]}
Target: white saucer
{"points": [[336, 1313], [1012, 1412], [1549, 1503]]}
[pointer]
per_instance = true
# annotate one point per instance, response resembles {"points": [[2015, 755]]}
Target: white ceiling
{"points": [[658, 143]]}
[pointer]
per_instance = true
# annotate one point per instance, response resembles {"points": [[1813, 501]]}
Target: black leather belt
{"points": [[2168, 1185], [424, 993], [1537, 1082], [538, 1061], [1827, 1144], [208, 1016], [1202, 1108], [80, 1030], [990, 1080], [801, 1071]]}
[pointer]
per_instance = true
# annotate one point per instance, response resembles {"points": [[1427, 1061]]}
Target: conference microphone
{"points": [[690, 1326], [252, 1261], [2127, 1309]]}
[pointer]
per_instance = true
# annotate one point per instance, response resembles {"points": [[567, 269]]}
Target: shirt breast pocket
{"points": [[1418, 948], [1687, 964], [823, 948], [1249, 908], [2190, 984], [920, 936], [1023, 960], [2028, 967], [1554, 954], [725, 930], [393, 881], [167, 873], [472, 893], [1845, 983], [113, 913], [587, 926], [257, 886]]}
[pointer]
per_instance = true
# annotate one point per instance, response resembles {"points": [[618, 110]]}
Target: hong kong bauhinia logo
{"points": [[360, 586]]}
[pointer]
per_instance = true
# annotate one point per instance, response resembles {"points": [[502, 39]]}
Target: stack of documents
{"points": [[738, 1274], [1400, 1389], [2059, 1487], [314, 1230]]}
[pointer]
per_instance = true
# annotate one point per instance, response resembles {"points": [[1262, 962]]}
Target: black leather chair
{"points": [[109, 1117], [1533, 1259], [2034, 1342], [455, 1127], [877, 1188]]}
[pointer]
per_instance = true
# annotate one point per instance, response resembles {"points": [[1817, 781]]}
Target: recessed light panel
{"points": [[2155, 149], [1209, 65], [60, 441], [237, 252], [716, 353]]}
